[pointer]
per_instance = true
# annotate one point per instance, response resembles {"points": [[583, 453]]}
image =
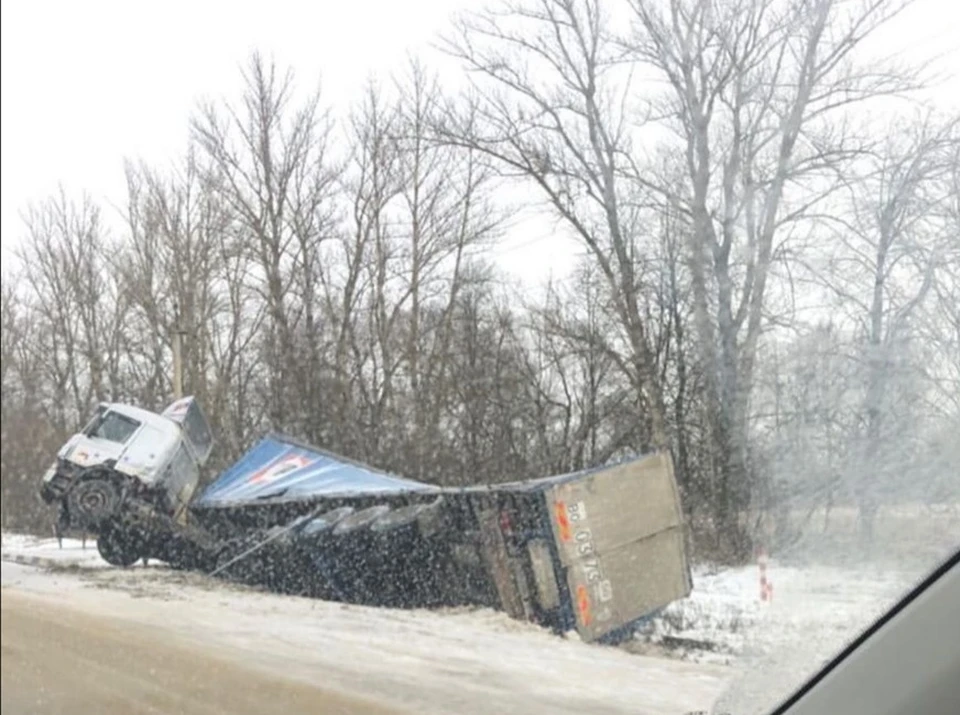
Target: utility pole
{"points": [[178, 333]]}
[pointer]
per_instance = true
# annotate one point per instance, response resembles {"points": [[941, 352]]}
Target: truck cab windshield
{"points": [[113, 427]]}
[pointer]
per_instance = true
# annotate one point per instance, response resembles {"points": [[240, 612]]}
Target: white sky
{"points": [[86, 84]]}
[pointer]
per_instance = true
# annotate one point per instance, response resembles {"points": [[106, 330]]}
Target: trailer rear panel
{"points": [[619, 533]]}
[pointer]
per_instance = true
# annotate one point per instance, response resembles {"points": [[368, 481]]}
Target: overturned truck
{"points": [[594, 551]]}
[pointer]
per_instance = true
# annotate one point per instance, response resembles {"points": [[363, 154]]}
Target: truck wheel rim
{"points": [[95, 500]]}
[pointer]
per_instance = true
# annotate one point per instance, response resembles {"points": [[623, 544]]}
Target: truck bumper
{"points": [[58, 480], [55, 489]]}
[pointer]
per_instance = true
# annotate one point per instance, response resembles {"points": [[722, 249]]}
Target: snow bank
{"points": [[39, 551], [773, 646], [725, 617]]}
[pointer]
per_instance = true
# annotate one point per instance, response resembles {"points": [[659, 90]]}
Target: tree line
{"points": [[768, 287]]}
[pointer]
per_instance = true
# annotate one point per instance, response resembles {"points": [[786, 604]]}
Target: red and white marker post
{"points": [[766, 586]]}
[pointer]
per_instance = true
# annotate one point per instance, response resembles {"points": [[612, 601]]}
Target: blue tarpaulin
{"points": [[278, 467]]}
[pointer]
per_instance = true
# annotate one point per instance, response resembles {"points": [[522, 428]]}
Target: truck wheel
{"points": [[320, 525], [359, 520], [397, 519], [92, 501], [118, 547], [432, 520]]}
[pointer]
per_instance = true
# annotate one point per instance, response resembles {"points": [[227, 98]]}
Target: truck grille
{"points": [[61, 481]]}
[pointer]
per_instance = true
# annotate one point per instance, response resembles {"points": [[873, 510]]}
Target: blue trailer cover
{"points": [[278, 467]]}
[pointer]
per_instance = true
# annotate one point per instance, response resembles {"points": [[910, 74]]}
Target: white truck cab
{"points": [[127, 453]]}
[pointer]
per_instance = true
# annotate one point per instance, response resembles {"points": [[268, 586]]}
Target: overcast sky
{"points": [[87, 83]]}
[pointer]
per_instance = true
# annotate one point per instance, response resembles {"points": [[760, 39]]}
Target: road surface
{"points": [[88, 639], [62, 660]]}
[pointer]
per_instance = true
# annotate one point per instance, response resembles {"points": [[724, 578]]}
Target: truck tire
{"points": [[360, 520], [397, 518], [425, 516], [119, 547], [93, 500], [322, 524], [431, 519]]}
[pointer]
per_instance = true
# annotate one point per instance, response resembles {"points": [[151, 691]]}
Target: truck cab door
{"points": [[187, 413]]}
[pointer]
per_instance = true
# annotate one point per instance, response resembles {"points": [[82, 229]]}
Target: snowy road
{"points": [[741, 656], [60, 660], [270, 652]]}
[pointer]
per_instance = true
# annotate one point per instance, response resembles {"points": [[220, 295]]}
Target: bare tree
{"points": [[269, 158], [448, 214], [184, 268], [11, 334], [62, 352], [550, 106], [891, 240], [77, 302], [578, 391], [756, 92]]}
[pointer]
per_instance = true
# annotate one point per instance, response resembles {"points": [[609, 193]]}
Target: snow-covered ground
{"points": [[771, 647], [462, 660], [721, 650], [827, 589], [724, 617]]}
